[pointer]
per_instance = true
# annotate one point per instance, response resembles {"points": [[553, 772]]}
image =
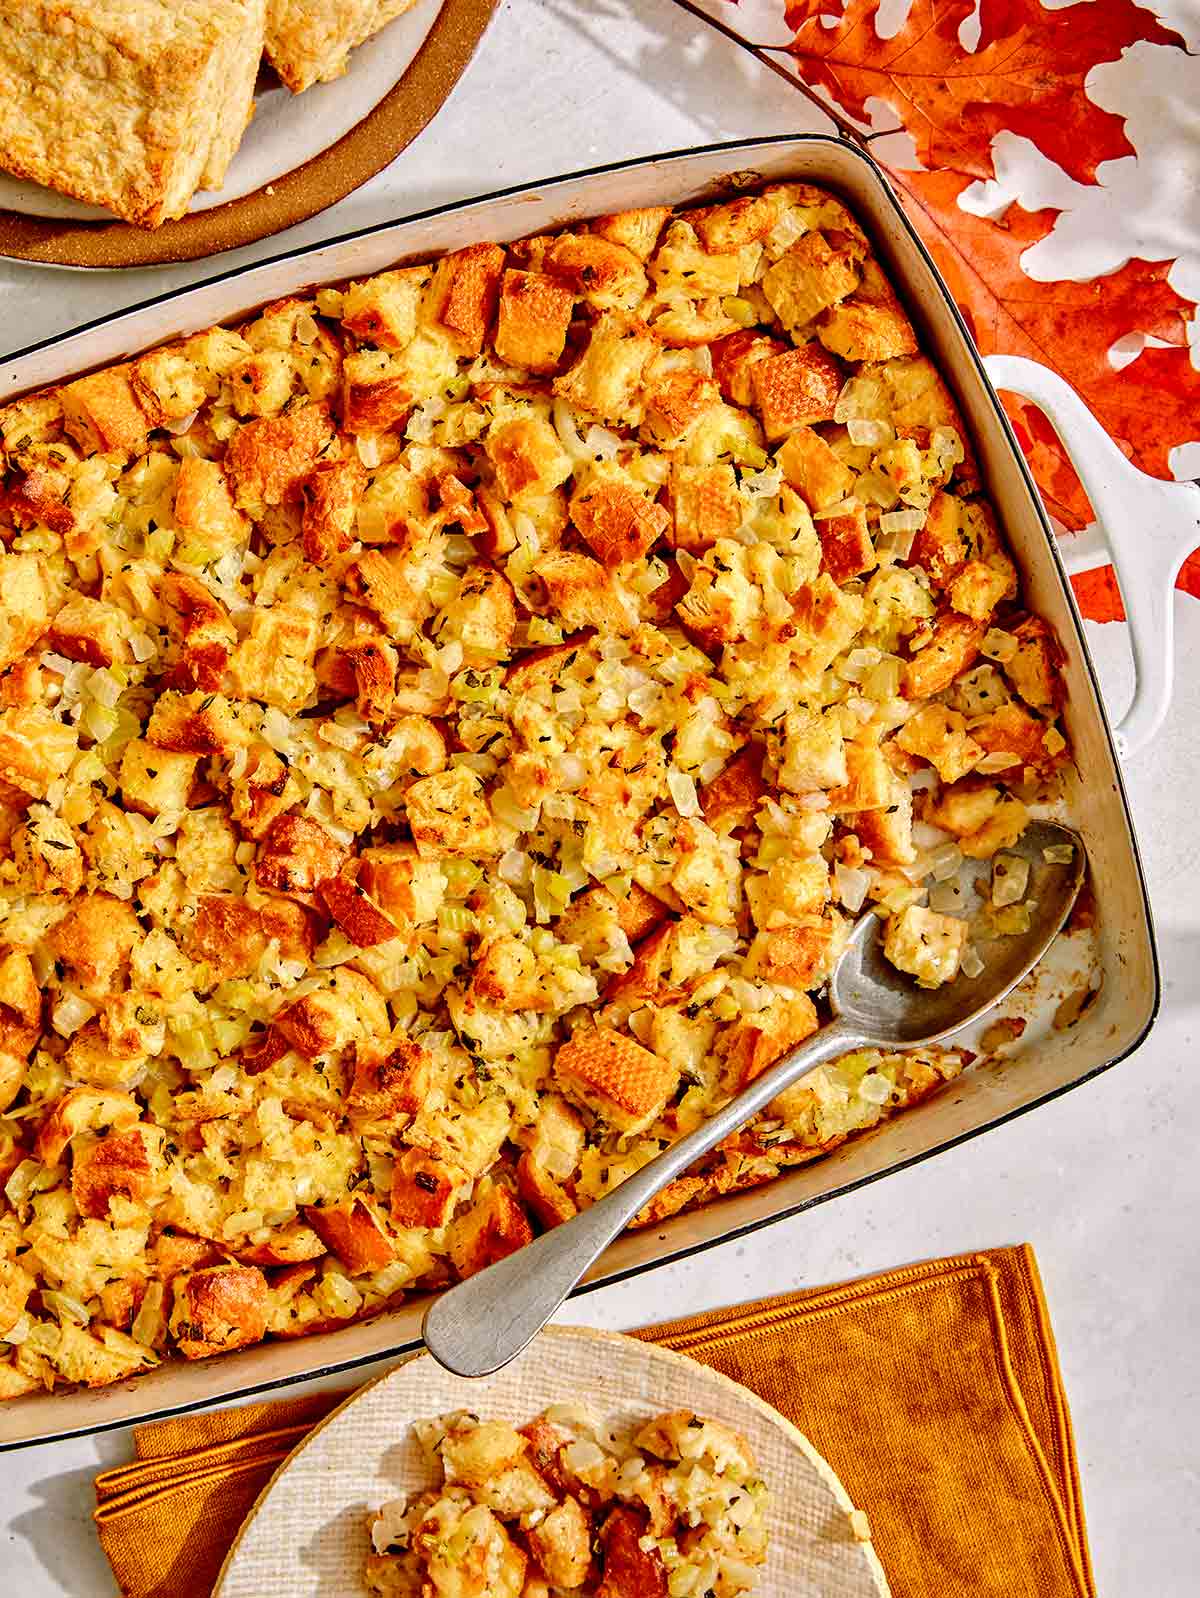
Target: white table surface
{"points": [[1104, 1182]]}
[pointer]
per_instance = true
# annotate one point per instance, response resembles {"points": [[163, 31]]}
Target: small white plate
{"points": [[307, 1534]]}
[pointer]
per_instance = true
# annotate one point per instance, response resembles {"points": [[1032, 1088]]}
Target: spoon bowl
{"points": [[484, 1322], [882, 1004]]}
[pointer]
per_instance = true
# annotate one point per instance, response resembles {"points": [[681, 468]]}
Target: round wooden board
{"points": [[392, 124], [307, 1532]]}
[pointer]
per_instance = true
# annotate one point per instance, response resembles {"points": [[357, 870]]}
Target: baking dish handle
{"points": [[1150, 528]]}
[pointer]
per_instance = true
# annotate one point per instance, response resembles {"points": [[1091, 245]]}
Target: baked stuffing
{"points": [[448, 724], [128, 104], [661, 1509]]}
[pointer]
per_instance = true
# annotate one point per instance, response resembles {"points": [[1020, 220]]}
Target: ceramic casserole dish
{"points": [[1124, 982]]}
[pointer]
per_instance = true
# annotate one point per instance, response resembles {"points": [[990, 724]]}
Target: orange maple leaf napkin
{"points": [[933, 1391]]}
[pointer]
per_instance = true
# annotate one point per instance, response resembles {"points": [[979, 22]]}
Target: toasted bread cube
{"points": [[408, 887], [790, 889], [978, 588], [541, 1193], [860, 331], [887, 833], [534, 315], [582, 594], [939, 547], [846, 547], [953, 647], [262, 383], [981, 816], [723, 602], [35, 750], [746, 220], [870, 782], [808, 278], [796, 957], [630, 1571], [813, 469], [204, 508], [927, 945], [681, 266], [218, 1309], [95, 938], [391, 1089], [795, 389], [616, 519], [120, 1165], [674, 403], [274, 662], [92, 630], [494, 1227], [734, 359], [463, 294], [469, 1555], [1036, 669], [377, 391], [448, 814], [606, 379], [167, 385], [383, 309], [377, 580], [297, 855], [527, 457], [814, 754], [940, 736], [155, 780], [615, 1077], [354, 1232], [637, 230], [332, 493], [25, 605], [481, 617], [733, 796], [1013, 731], [425, 1189], [753, 1045], [706, 505], [562, 1544], [47, 857], [264, 791], [482, 1452], [605, 275], [226, 933], [102, 413], [362, 921], [269, 458]]}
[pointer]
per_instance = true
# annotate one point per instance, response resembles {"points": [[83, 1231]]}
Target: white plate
{"points": [[287, 129], [307, 1535]]}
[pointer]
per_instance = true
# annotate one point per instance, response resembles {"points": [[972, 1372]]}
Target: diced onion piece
{"points": [[902, 521], [852, 886], [65, 1306], [182, 424], [998, 644], [683, 792], [874, 1089], [948, 898], [998, 760], [1059, 854], [1010, 879], [945, 862], [970, 964], [70, 1013], [868, 430], [920, 781]]}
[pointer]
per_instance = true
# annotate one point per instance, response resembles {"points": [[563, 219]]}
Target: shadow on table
{"points": [[75, 1564]]}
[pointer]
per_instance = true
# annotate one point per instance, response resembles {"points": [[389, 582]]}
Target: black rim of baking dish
{"points": [[686, 1251]]}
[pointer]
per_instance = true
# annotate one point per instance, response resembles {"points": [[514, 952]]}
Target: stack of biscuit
{"points": [[134, 105]]}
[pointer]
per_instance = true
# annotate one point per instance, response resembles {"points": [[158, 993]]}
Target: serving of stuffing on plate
{"points": [[667, 1507], [448, 725]]}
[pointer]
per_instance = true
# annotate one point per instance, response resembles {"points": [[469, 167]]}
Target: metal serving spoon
{"points": [[484, 1322]]}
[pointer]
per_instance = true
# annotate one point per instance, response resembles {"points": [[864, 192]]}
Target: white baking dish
{"points": [[1111, 1028]]}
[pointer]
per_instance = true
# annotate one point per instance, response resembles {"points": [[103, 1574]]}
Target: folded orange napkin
{"points": [[933, 1391]]}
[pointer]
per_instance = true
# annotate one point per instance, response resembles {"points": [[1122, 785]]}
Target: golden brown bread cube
{"points": [[952, 648], [616, 1077], [120, 1165], [1036, 668], [527, 457], [813, 470], [354, 1232], [383, 309], [269, 458], [425, 1189], [754, 1044], [616, 520], [534, 314], [605, 381], [101, 412], [390, 1088], [846, 547], [581, 592], [25, 604], [797, 957], [940, 735], [605, 275], [795, 389], [705, 505], [448, 814], [363, 922], [204, 508], [734, 359], [463, 294], [637, 230], [860, 331], [219, 1308], [297, 855], [810, 276], [493, 1227], [733, 796]]}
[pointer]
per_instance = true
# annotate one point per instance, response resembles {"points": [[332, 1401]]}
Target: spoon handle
{"points": [[484, 1322]]}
